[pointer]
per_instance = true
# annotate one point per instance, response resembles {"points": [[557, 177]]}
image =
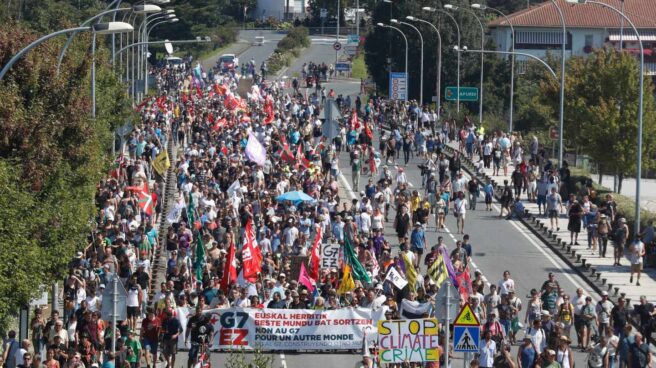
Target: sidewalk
{"points": [[599, 272]]}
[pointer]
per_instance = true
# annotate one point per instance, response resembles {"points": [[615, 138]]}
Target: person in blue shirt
{"points": [[489, 194], [417, 242], [516, 210]]}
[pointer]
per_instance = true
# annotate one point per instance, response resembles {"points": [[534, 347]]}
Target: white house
{"points": [[278, 9], [538, 29]]}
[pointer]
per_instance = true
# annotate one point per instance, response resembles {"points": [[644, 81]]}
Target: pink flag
{"points": [[255, 151], [304, 279]]}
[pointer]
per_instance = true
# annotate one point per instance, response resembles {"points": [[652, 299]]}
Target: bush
{"points": [[288, 48]]}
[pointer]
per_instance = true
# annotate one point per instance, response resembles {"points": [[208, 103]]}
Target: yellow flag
{"points": [[161, 163], [438, 271], [347, 283], [410, 272]]}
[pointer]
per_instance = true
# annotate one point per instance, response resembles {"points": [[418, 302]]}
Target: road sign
{"points": [[343, 67], [466, 317], [466, 339], [353, 38], [398, 88], [351, 50], [466, 93], [337, 46], [553, 133], [323, 13], [440, 302], [108, 302]]}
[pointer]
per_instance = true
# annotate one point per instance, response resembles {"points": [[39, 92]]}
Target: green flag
{"points": [[199, 262], [359, 272], [190, 211]]}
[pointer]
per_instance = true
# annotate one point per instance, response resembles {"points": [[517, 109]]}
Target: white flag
{"points": [[395, 278], [255, 151], [233, 188]]}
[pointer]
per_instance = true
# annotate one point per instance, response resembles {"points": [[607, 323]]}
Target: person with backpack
{"points": [[598, 356], [527, 355]]}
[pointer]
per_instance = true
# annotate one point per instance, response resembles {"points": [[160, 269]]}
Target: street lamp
{"points": [[406, 48], [562, 83], [389, 53], [636, 225], [438, 83], [464, 49], [421, 73], [480, 101], [512, 59], [455, 22]]}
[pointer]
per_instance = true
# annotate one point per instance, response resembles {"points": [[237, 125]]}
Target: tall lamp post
{"points": [[512, 60], [438, 82], [562, 83], [455, 22], [406, 47], [641, 76], [98, 28], [480, 100], [421, 73], [389, 34]]}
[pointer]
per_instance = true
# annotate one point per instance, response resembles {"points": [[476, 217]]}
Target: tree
{"points": [[601, 110], [52, 154]]}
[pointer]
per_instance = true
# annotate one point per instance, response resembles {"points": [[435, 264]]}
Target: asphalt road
{"points": [[498, 245]]}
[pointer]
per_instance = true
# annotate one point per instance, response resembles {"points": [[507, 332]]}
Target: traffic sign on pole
{"points": [[466, 93], [466, 317], [466, 339], [337, 46], [440, 302]]}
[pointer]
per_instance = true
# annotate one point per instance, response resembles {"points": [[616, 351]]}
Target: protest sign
{"points": [[329, 255], [282, 329], [408, 340], [395, 278]]}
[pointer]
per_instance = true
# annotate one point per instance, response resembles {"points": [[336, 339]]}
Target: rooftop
{"points": [[641, 12]]}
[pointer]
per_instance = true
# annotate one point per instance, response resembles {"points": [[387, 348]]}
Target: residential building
{"points": [[538, 29]]}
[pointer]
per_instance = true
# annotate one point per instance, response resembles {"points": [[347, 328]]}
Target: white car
{"points": [[228, 62]]}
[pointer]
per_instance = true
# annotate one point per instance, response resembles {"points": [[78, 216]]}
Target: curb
{"points": [[576, 262]]}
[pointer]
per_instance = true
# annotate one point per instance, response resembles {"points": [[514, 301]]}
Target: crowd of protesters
{"points": [[226, 206]]}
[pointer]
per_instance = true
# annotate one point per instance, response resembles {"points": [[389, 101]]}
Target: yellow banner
{"points": [[161, 163]]}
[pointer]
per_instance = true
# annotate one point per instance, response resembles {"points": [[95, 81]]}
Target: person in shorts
{"points": [[171, 329], [150, 331], [554, 206]]}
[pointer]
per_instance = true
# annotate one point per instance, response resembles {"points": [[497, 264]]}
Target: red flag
{"points": [[184, 98], [229, 269], [160, 102], [368, 131], [145, 199], [250, 254], [287, 154], [199, 92], [300, 158], [315, 256], [355, 122], [464, 284]]}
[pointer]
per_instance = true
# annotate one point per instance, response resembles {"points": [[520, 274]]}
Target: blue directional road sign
{"points": [[466, 339]]}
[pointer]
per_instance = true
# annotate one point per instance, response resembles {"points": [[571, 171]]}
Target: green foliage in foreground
{"points": [[52, 154]]}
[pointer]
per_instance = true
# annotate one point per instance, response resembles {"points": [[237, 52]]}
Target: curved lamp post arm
{"points": [[60, 58], [160, 42], [155, 25], [636, 225], [421, 81], [36, 43], [553, 72]]}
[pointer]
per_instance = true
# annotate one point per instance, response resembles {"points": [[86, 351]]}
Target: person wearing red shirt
{"points": [[150, 329]]}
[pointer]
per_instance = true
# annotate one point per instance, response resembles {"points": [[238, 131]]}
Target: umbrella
{"points": [[294, 197]]}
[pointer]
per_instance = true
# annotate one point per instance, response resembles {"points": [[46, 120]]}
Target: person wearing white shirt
{"points": [[538, 336], [507, 284], [579, 303], [365, 222], [487, 350]]}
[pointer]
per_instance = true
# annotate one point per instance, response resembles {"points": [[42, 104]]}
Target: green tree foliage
{"points": [[505, 6], [601, 110], [51, 156]]}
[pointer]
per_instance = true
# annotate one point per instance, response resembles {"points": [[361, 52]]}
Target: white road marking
{"points": [[283, 363]]}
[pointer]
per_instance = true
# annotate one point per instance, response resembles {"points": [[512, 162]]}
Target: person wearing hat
{"points": [[527, 355], [549, 360], [603, 231], [133, 354], [621, 236], [564, 354]]}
